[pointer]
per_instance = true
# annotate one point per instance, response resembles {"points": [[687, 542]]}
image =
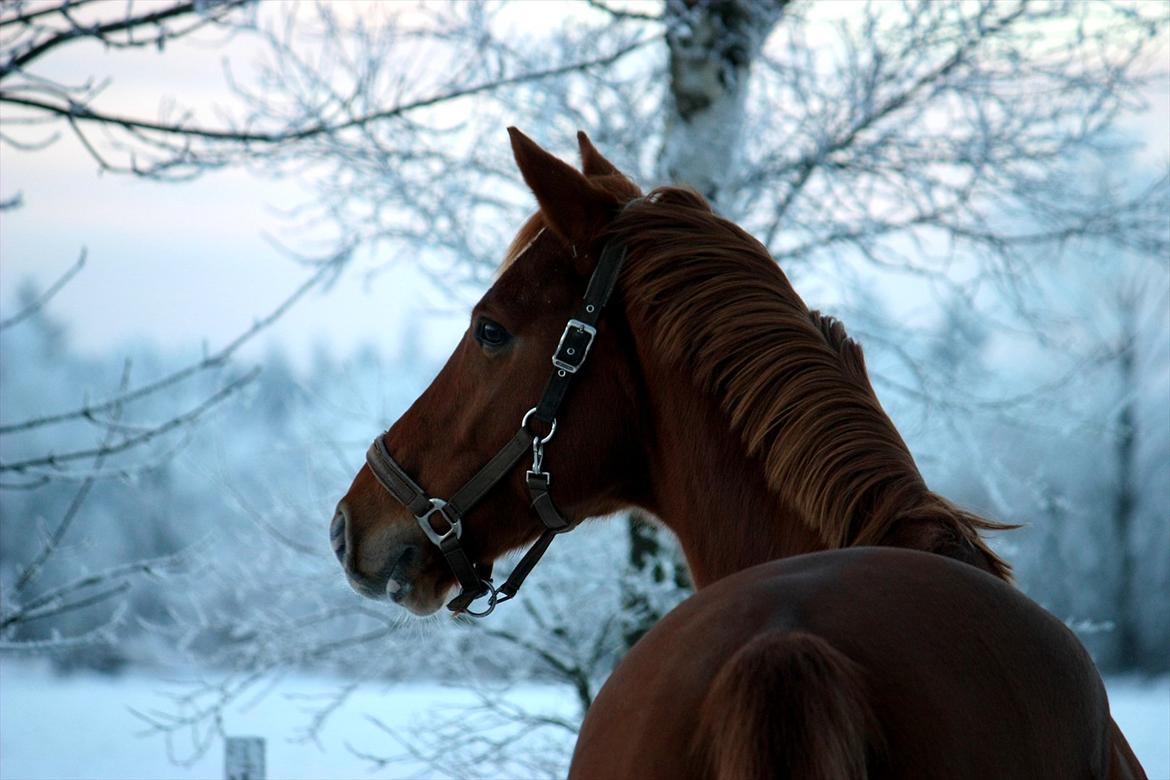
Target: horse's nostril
{"points": [[337, 533]]}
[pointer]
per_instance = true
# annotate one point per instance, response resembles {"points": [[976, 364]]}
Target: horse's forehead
{"points": [[540, 275], [523, 249]]}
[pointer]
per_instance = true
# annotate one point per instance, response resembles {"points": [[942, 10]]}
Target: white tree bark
{"points": [[712, 46]]}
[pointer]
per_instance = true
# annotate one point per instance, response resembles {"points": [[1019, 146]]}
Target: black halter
{"points": [[567, 360]]}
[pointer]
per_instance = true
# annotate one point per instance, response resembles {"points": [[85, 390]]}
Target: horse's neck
{"points": [[713, 497], [788, 450], [719, 503]]}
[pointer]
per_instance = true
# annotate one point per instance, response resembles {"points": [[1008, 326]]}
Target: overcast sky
{"points": [[183, 264]]}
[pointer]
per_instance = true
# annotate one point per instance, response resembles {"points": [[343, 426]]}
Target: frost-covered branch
{"points": [[53, 541], [623, 13], [92, 411], [39, 302], [492, 737], [107, 448], [34, 38], [954, 122], [178, 148], [81, 593]]}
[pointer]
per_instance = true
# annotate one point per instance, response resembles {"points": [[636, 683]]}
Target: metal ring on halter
{"points": [[493, 599], [541, 439]]}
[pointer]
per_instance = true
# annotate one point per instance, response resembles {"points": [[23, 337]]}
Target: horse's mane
{"points": [[791, 381]]}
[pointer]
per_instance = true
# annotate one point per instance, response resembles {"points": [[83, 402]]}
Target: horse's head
{"points": [[477, 403]]}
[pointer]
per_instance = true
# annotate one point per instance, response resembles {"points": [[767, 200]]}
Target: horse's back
{"points": [[928, 667]]}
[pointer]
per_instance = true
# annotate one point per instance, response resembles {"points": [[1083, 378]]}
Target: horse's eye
{"points": [[491, 334]]}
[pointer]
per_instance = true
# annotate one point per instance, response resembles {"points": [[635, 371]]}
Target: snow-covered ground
{"points": [[1142, 708], [80, 726]]}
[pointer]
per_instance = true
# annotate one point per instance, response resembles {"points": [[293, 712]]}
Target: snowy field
{"points": [[81, 726]]}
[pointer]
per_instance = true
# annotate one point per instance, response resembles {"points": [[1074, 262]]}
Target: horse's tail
{"points": [[788, 705]]}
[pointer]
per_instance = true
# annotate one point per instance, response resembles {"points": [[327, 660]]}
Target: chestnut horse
{"points": [[707, 393]]}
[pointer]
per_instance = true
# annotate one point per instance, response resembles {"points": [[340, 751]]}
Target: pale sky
{"points": [[180, 264]]}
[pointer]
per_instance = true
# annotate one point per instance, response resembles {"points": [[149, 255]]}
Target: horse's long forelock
{"points": [[793, 384]]}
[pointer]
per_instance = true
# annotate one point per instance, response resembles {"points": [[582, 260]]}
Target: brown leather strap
{"points": [[392, 477], [526, 564], [597, 295], [555, 524], [542, 502], [492, 472], [472, 585]]}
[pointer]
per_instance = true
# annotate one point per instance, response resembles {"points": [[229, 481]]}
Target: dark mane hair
{"points": [[792, 383]]}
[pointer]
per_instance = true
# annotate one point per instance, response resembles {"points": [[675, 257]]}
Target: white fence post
{"points": [[243, 758]]}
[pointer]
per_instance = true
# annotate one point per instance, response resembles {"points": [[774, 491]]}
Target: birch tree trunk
{"points": [[712, 44]]}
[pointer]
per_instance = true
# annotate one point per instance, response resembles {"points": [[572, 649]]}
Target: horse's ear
{"points": [[573, 208], [592, 163]]}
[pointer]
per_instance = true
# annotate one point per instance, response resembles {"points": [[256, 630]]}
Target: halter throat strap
{"points": [[568, 358]]}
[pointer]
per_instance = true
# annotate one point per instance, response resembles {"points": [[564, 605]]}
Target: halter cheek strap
{"points": [[573, 348]]}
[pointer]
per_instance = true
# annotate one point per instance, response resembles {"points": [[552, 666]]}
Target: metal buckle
{"points": [[424, 522], [558, 358]]}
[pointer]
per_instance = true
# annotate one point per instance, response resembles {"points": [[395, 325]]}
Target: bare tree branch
{"points": [[96, 587], [103, 451], [213, 9], [103, 633], [19, 16], [618, 13], [53, 541], [46, 296], [173, 140], [220, 357]]}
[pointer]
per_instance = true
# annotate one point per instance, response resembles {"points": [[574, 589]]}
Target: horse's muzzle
{"points": [[393, 579]]}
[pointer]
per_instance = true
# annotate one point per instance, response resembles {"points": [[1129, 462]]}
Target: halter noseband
{"points": [[567, 360]]}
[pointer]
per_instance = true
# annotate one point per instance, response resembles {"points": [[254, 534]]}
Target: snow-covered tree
{"points": [[923, 168]]}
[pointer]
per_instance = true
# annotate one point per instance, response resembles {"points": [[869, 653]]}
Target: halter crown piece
{"points": [[567, 360]]}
